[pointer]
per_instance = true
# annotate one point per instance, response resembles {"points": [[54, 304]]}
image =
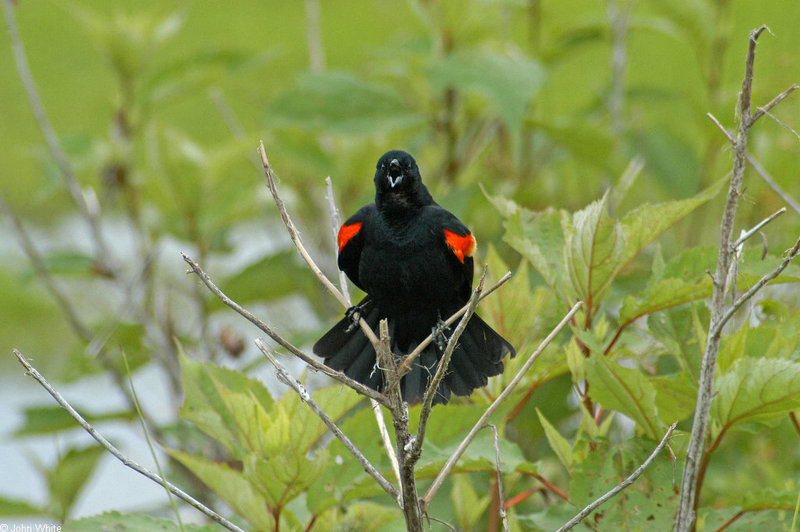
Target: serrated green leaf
{"points": [[675, 396], [508, 83], [539, 237], [283, 476], [681, 280], [339, 102], [648, 504], [755, 390], [626, 390], [120, 522], [558, 443], [643, 224], [231, 486], [681, 330], [203, 385], [593, 251]]}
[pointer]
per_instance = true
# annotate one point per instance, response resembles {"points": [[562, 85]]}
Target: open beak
{"points": [[395, 174]]}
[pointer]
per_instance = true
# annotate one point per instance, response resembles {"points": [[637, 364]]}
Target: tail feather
{"points": [[478, 356]]}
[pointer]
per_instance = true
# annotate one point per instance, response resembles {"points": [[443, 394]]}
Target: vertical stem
{"points": [[685, 519]]}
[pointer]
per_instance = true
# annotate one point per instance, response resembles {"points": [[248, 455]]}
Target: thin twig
{"points": [[790, 256], [622, 485], [89, 214], [500, 495], [783, 124], [149, 441], [336, 375], [722, 128], [405, 366], [295, 236], [43, 272], [757, 227], [761, 111], [444, 363], [290, 381], [33, 372], [451, 462], [336, 222], [772, 184], [757, 167]]}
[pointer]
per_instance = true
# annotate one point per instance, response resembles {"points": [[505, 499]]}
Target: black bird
{"points": [[413, 258]]}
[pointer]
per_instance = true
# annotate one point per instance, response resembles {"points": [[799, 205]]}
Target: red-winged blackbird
{"points": [[413, 258]]}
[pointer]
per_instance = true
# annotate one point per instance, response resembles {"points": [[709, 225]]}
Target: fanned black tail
{"points": [[478, 356]]}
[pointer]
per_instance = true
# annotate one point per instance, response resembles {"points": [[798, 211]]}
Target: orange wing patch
{"points": [[347, 232], [462, 246]]}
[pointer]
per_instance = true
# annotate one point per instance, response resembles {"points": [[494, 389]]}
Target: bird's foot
{"points": [[354, 315], [439, 333]]}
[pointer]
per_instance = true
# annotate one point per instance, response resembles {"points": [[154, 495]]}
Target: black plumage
{"points": [[413, 259]]}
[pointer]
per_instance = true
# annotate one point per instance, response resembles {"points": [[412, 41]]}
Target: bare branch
{"points": [[686, 515], [336, 222], [43, 272], [790, 256], [501, 498], [311, 361], [761, 111], [295, 236], [722, 128], [444, 364], [622, 485], [757, 227], [290, 381], [33, 372], [405, 366], [772, 184], [89, 213], [451, 462]]}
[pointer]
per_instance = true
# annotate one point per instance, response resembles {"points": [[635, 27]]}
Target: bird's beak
{"points": [[395, 174]]}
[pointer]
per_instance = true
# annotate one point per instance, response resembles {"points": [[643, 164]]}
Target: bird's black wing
{"points": [[351, 242]]}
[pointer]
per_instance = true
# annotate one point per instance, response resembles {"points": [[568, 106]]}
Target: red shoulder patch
{"points": [[462, 246], [346, 233]]}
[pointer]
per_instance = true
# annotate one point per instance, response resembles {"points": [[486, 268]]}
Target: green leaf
{"points": [[648, 504], [681, 280], [267, 279], [626, 390], [676, 396], [14, 508], [120, 522], [339, 102], [644, 224], [203, 384], [231, 486], [755, 390], [558, 443], [681, 330], [49, 419], [70, 475], [467, 504], [593, 252], [539, 237], [508, 83]]}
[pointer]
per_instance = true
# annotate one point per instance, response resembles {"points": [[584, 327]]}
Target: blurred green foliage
{"points": [[571, 137]]}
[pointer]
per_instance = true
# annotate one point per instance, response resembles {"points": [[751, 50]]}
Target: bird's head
{"points": [[398, 183]]}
